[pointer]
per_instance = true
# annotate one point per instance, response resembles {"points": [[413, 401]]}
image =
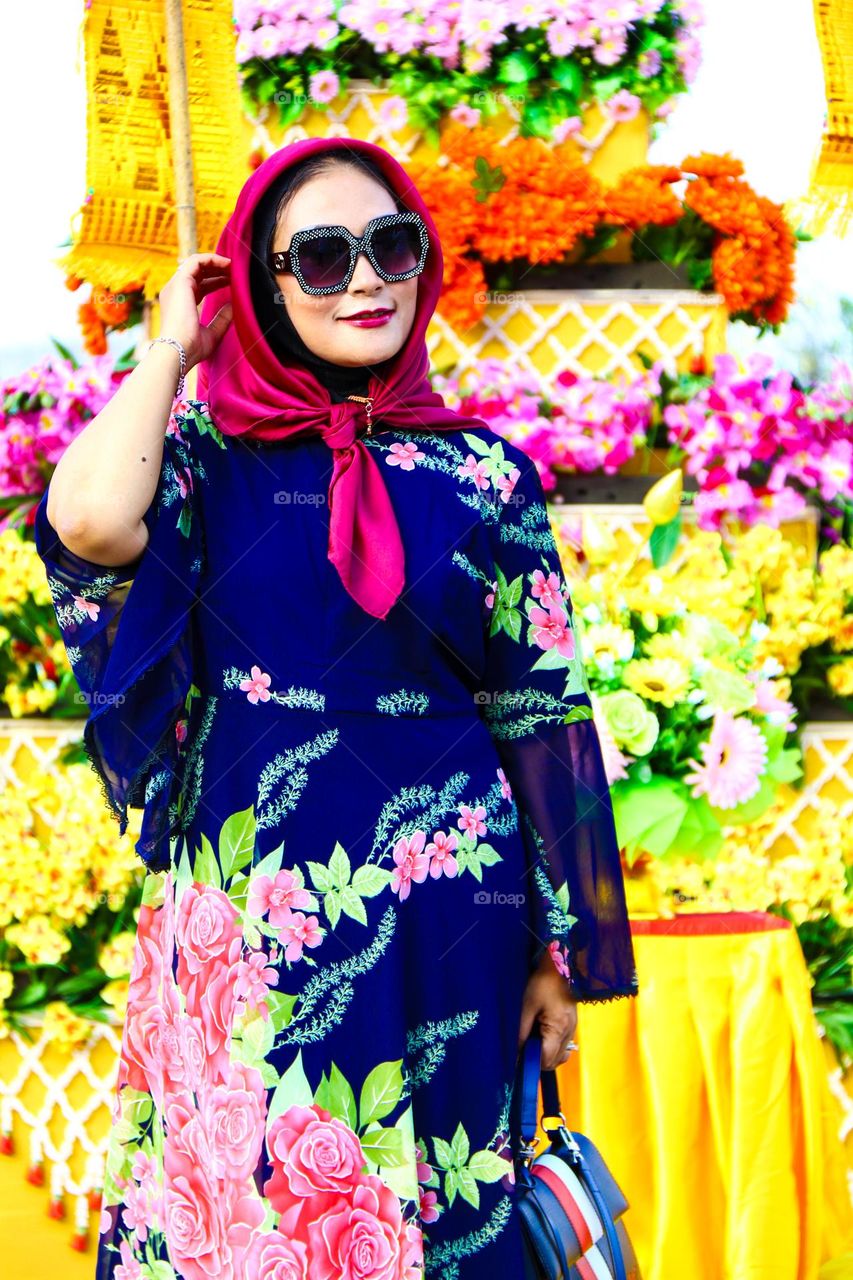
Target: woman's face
{"points": [[345, 196]]}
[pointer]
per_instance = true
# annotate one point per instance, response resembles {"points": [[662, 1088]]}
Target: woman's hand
{"points": [[547, 998], [181, 295]]}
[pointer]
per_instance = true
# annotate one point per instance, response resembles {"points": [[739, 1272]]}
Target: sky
{"points": [[759, 95]]}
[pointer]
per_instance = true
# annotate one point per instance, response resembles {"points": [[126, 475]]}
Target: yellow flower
{"points": [[657, 680], [66, 1027], [840, 678], [607, 640], [116, 956], [115, 993]]}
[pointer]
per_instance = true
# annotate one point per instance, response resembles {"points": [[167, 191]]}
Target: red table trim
{"points": [[709, 922]]}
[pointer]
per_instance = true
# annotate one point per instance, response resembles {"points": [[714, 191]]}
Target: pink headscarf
{"points": [[251, 392]]}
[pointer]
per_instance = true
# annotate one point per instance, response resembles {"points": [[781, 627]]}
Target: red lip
{"points": [[367, 315]]}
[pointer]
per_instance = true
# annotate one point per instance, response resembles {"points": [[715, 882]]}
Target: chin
{"points": [[367, 346]]}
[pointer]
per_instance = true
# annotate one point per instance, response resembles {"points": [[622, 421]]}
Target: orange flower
{"points": [[73, 283], [112, 308], [644, 195], [94, 333], [710, 166]]}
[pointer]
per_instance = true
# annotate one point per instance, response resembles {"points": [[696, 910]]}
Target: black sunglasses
{"points": [[323, 258]]}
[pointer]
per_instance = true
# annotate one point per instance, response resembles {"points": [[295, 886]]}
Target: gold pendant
{"points": [[367, 401]]}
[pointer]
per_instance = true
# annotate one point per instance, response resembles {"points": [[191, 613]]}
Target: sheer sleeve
{"points": [[128, 632], [536, 702]]}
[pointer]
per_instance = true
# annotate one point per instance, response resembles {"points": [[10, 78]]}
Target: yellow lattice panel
{"points": [[828, 765], [600, 331], [127, 232], [608, 148]]}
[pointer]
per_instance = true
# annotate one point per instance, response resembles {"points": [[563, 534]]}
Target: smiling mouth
{"points": [[369, 315]]}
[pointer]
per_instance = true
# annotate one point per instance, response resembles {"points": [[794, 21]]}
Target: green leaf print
{"points": [[339, 867], [468, 1188], [488, 1166], [205, 426], [384, 1146], [353, 905], [369, 880], [237, 841], [381, 1091], [206, 868], [341, 895], [292, 1090], [157, 1270], [460, 1146], [281, 1008], [335, 1094]]}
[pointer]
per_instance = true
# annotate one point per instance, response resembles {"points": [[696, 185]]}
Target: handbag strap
{"points": [[530, 1073]]}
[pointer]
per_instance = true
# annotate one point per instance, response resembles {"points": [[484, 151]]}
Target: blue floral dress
{"points": [[359, 836]]}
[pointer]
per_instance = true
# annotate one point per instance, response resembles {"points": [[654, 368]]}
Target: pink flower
{"points": [[469, 116], [234, 1116], [566, 128], [257, 686], [207, 921], [559, 954], [412, 863], [273, 1256], [254, 980], [277, 896], [623, 105], [471, 822], [130, 1268], [551, 630], [394, 113], [299, 931], [404, 456], [441, 851], [490, 596], [424, 1169], [428, 1206], [506, 789], [547, 591], [475, 471], [311, 1151], [734, 758], [506, 484], [211, 998], [324, 86], [364, 1237], [181, 730], [134, 1214], [88, 607]]}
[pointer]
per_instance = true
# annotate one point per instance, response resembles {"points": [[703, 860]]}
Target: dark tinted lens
{"points": [[397, 249], [324, 260]]}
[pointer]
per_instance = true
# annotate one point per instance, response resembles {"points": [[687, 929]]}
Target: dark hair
{"points": [[313, 167]]}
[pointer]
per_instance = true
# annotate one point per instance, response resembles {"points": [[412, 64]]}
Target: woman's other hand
{"points": [[547, 998], [181, 296]]}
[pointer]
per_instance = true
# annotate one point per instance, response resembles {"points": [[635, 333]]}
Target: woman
{"points": [[329, 650]]}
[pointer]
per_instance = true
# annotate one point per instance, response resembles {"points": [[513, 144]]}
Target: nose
{"points": [[364, 276]]}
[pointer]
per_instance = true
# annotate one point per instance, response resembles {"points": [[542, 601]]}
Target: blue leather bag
{"points": [[569, 1202]]}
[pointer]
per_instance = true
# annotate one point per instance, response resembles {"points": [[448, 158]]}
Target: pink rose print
{"points": [[207, 922], [506, 484], [364, 1237], [412, 863], [211, 998], [273, 1257], [234, 1117], [185, 481], [299, 931], [441, 854], [181, 730], [490, 596], [547, 591], [311, 1151], [429, 1211], [559, 954], [87, 606], [404, 456], [551, 630], [471, 821], [257, 686], [277, 896], [506, 789], [475, 471]]}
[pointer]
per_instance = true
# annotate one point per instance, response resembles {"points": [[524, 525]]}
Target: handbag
{"points": [[569, 1202]]}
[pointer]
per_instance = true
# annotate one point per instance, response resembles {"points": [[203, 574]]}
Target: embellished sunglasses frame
{"points": [[288, 259]]}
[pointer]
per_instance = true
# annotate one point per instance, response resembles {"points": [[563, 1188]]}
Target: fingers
{"points": [[221, 320]]}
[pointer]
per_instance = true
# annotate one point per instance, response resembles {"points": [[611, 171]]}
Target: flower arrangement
{"points": [[106, 311], [69, 887], [585, 424], [812, 887], [552, 58], [692, 668], [503, 208], [761, 447]]}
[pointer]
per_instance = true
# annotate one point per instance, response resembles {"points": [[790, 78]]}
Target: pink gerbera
{"points": [[734, 758]]}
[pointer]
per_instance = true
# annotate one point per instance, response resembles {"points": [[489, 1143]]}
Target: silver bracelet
{"points": [[179, 391]]}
